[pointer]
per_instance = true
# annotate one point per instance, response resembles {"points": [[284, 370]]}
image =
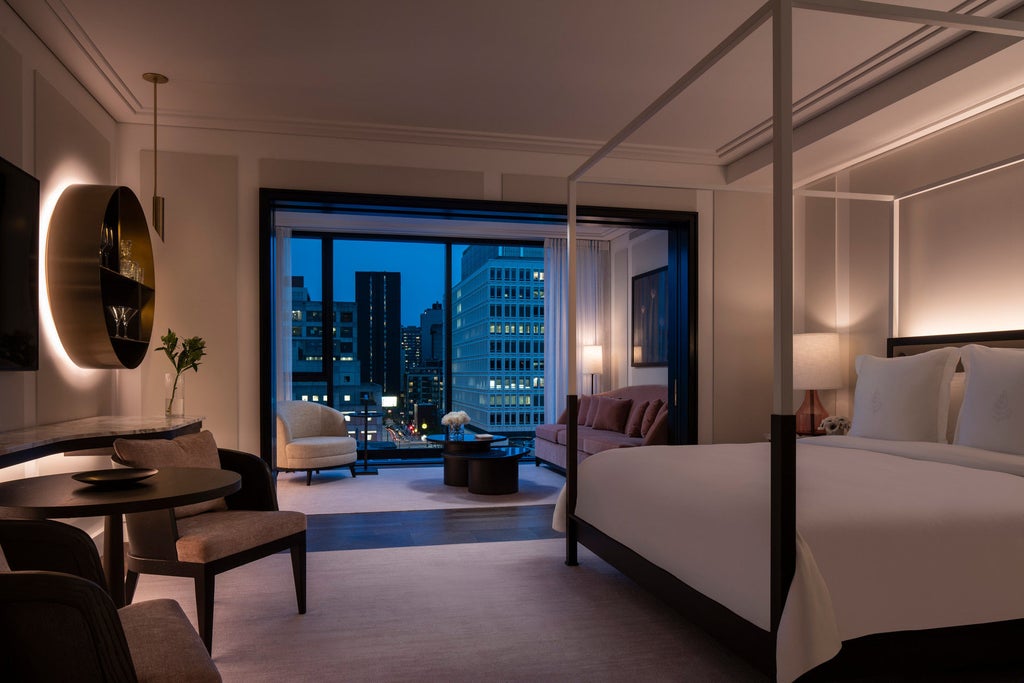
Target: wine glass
{"points": [[106, 244], [116, 313], [127, 316], [122, 316]]}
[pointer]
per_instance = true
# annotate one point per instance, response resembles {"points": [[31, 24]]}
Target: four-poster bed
{"points": [[762, 635]]}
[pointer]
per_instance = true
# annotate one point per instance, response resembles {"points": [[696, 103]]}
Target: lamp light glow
{"points": [[815, 367]]}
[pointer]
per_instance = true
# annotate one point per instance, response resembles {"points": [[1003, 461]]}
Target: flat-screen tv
{"points": [[19, 269]]}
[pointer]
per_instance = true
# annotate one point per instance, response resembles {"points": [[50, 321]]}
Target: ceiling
{"points": [[542, 75]]}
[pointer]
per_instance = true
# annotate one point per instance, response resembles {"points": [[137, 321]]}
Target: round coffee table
{"points": [[493, 472]]}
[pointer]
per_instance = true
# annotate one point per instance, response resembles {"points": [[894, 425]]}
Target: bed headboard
{"points": [[909, 346]]}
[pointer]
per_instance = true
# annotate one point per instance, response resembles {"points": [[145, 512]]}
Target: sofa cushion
{"points": [[657, 435], [650, 414], [595, 403], [563, 418], [595, 442], [635, 419], [187, 450], [612, 413], [584, 408], [550, 432]]}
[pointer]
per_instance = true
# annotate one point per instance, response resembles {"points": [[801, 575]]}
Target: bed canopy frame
{"points": [[783, 422]]}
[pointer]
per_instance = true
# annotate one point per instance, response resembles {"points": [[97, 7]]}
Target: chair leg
{"points": [[299, 573], [131, 580], [309, 477], [204, 607], [352, 469]]}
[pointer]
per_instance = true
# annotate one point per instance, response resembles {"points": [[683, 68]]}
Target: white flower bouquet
{"points": [[456, 418], [455, 421]]}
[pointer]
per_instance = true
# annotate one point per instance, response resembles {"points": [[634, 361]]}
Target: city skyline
{"points": [[421, 265]]}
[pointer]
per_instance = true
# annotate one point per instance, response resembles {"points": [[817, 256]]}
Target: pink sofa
{"points": [[621, 418]]}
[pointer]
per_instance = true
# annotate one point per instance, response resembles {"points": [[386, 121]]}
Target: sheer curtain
{"points": [[282, 313], [592, 320]]}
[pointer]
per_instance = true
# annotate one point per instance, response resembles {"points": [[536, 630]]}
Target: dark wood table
{"points": [[456, 469], [492, 472], [57, 496]]}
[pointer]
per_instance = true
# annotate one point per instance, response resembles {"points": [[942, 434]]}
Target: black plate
{"points": [[120, 478]]}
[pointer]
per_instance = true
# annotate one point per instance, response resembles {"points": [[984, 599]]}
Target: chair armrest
{"points": [[257, 492], [38, 544]]}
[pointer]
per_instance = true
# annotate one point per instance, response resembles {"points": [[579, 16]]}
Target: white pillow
{"points": [[904, 399], [992, 414]]}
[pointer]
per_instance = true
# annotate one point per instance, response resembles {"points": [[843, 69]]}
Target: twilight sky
{"points": [[420, 263]]}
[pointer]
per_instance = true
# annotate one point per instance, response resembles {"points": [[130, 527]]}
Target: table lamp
{"points": [[815, 367], [593, 362]]}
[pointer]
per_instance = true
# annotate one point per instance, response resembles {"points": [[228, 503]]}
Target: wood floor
{"points": [[367, 530]]}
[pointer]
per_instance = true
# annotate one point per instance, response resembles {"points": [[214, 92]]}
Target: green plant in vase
{"points": [[187, 357]]}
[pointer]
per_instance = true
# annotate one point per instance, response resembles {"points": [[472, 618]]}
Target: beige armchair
{"points": [[204, 539], [312, 437]]}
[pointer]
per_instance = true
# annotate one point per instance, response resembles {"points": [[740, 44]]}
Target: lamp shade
{"points": [[816, 361], [593, 359]]}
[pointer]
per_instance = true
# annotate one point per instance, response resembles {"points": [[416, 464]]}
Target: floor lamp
{"points": [[593, 363], [815, 366], [367, 400]]}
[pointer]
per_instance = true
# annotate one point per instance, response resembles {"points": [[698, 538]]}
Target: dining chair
{"points": [[57, 622], [205, 539]]}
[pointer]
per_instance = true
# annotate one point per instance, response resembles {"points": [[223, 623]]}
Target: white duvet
{"points": [[890, 535]]}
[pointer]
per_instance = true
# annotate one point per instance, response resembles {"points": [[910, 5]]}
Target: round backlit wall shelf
{"points": [[92, 287]]}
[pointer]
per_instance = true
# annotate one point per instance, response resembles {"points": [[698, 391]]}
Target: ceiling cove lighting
{"points": [[158, 201]]}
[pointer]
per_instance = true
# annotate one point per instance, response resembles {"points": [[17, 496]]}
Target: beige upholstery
{"points": [[311, 436], [164, 646], [247, 527], [209, 537]]}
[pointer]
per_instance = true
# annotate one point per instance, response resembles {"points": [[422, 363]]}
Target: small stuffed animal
{"points": [[836, 425]]}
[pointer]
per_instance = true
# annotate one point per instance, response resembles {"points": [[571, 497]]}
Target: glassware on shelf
{"points": [[106, 244], [122, 316]]}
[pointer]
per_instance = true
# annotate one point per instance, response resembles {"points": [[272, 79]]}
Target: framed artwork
{"points": [[650, 318]]}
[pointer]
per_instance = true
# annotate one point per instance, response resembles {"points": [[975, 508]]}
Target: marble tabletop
{"points": [[88, 432]]}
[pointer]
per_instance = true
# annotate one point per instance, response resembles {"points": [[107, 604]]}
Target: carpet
{"points": [[507, 611], [405, 488]]}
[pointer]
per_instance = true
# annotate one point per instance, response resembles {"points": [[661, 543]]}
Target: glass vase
{"points": [[174, 395], [457, 432]]}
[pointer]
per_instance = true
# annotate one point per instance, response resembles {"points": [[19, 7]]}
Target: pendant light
{"points": [[158, 201]]}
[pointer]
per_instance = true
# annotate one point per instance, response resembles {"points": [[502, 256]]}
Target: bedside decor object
{"points": [[836, 425], [158, 201], [456, 422], [188, 357], [815, 366]]}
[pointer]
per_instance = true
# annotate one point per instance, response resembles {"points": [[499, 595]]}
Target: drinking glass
{"points": [[116, 314], [129, 313], [106, 244], [122, 316]]}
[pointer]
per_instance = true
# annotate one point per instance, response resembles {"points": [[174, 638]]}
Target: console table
{"points": [[22, 445]]}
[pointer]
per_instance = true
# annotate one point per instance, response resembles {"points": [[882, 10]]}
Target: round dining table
{"points": [[57, 496]]}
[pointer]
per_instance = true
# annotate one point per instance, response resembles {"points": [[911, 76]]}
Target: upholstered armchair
{"points": [[57, 622], [312, 437], [205, 539]]}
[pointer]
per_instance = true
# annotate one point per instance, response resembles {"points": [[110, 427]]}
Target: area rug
{"points": [[507, 611], [405, 488]]}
